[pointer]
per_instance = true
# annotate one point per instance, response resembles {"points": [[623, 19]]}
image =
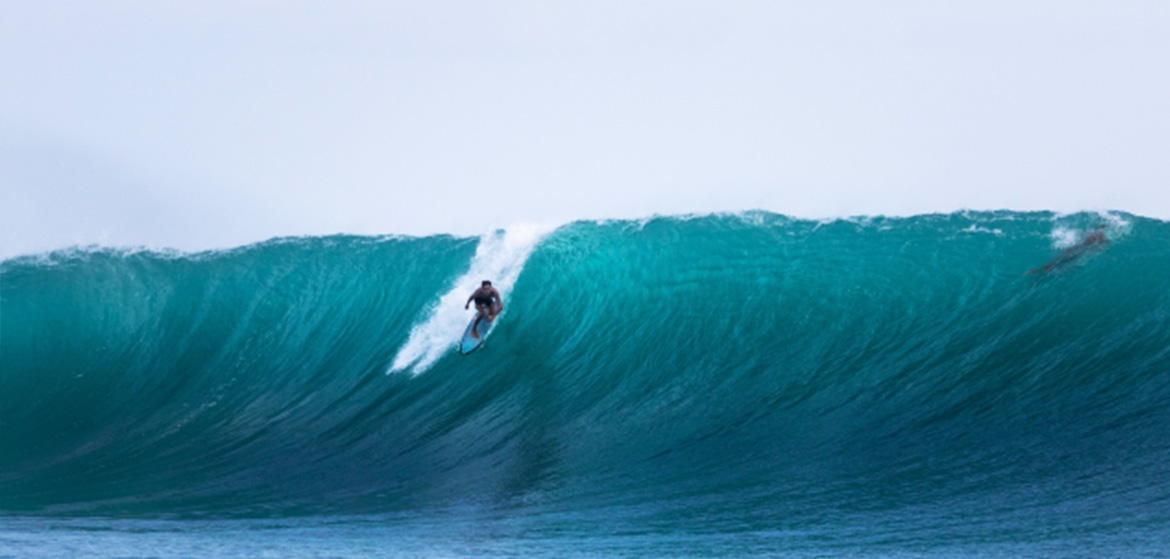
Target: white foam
{"points": [[1064, 237], [1114, 224], [500, 257], [977, 229], [1117, 224]]}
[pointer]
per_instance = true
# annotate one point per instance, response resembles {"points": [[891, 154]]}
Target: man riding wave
{"points": [[487, 302]]}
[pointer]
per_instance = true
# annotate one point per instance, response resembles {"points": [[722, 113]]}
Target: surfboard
{"points": [[471, 343]]}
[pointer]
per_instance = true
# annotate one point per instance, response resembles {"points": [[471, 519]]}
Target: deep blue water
{"points": [[702, 386]]}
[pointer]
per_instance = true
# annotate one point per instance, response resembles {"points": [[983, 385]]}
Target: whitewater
{"points": [[706, 385]]}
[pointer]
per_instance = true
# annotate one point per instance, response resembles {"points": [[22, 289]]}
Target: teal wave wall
{"points": [[741, 365]]}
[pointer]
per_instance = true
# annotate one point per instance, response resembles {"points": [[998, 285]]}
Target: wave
{"points": [[749, 365]]}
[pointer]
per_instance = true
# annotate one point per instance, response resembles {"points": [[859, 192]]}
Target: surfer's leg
{"points": [[475, 326], [482, 313]]}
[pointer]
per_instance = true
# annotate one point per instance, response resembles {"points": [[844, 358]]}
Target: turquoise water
{"points": [[704, 386]]}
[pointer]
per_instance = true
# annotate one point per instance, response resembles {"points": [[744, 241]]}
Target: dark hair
{"points": [[486, 282]]}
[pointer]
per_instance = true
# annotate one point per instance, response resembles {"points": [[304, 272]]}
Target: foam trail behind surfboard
{"points": [[500, 257]]}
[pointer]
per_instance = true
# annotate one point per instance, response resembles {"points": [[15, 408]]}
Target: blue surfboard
{"points": [[471, 343]]}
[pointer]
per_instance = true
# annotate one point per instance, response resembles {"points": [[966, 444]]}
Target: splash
{"points": [[500, 257], [1071, 233], [1064, 237]]}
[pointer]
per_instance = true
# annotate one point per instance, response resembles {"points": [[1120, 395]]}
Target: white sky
{"points": [[205, 124]]}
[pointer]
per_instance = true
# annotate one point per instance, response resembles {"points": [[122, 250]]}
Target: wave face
{"points": [[735, 370]]}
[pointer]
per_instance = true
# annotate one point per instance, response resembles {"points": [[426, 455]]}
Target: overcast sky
{"points": [[207, 124]]}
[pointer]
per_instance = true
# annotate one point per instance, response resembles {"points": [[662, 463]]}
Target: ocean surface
{"points": [[694, 386]]}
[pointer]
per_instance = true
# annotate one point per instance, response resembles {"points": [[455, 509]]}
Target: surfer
{"points": [[1095, 239], [487, 302]]}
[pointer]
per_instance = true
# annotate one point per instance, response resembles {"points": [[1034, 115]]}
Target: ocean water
{"points": [[698, 386]]}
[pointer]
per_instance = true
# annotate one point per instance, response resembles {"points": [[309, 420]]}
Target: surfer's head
{"points": [[486, 283]]}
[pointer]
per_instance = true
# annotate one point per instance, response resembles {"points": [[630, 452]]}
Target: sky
{"points": [[195, 125]]}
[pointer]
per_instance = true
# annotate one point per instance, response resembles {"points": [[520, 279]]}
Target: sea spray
{"points": [[499, 258]]}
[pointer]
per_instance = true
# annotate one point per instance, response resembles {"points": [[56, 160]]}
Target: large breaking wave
{"points": [[743, 365]]}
